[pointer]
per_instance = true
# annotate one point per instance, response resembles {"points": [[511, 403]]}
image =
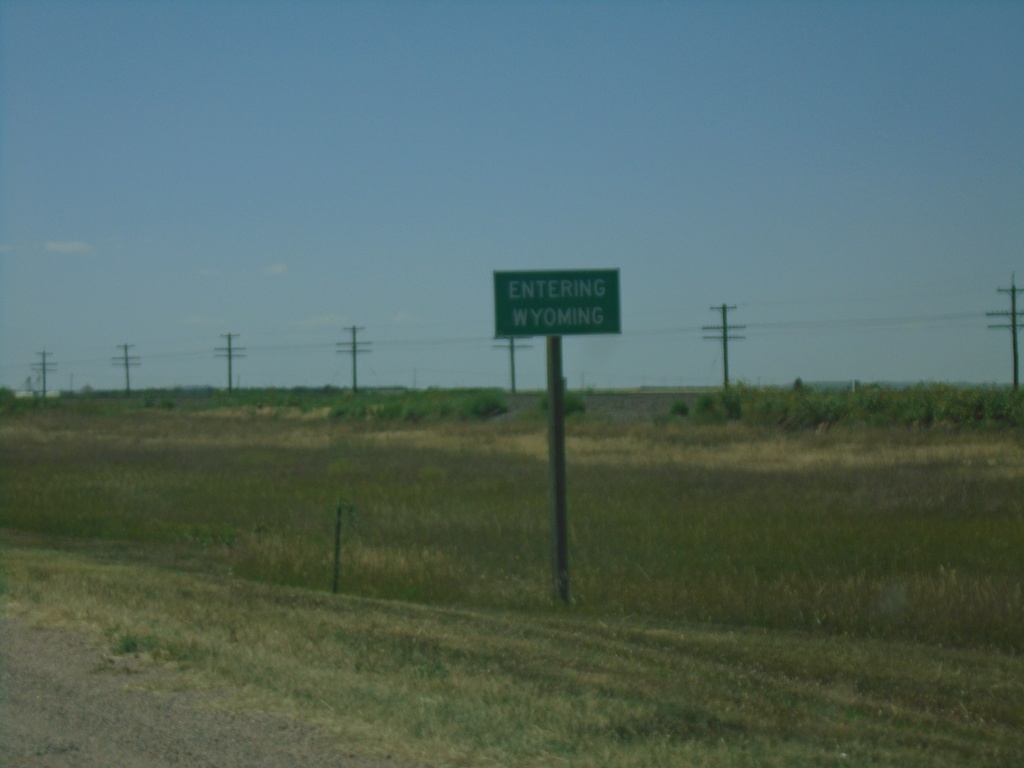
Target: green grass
{"points": [[485, 687], [743, 595], [875, 533]]}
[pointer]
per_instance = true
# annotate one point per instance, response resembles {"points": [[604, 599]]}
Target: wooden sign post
{"points": [[552, 304]]}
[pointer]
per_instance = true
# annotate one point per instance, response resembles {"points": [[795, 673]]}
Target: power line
{"points": [[291, 347], [660, 334], [725, 338], [1013, 325], [230, 353], [354, 348], [823, 325], [435, 342], [868, 323]]}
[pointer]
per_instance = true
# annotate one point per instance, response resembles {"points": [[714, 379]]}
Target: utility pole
{"points": [[1013, 325], [725, 337], [43, 367], [355, 348], [511, 346], [128, 361], [230, 353]]}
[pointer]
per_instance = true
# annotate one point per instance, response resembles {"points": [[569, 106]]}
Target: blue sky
{"points": [[848, 175]]}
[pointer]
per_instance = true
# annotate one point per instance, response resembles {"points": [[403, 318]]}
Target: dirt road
{"points": [[65, 702]]}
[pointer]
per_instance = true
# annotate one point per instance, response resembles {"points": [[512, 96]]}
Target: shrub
{"points": [[708, 409], [732, 403], [720, 406], [814, 409], [419, 406], [802, 407], [483, 405], [12, 404], [571, 403]]}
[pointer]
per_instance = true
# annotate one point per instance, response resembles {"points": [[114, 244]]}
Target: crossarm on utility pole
{"points": [[230, 352], [724, 337], [129, 362], [354, 348], [1014, 324]]}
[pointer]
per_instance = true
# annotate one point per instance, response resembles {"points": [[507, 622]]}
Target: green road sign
{"points": [[556, 302]]}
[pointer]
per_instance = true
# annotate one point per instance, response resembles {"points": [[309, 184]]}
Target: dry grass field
{"points": [[742, 595]]}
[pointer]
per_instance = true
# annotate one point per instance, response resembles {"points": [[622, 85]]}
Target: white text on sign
{"points": [[551, 317], [556, 289]]}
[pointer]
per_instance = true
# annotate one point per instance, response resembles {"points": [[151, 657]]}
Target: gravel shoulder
{"points": [[66, 702]]}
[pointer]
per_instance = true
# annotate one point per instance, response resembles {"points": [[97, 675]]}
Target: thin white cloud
{"points": [[274, 269], [67, 246], [324, 321], [405, 318]]}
